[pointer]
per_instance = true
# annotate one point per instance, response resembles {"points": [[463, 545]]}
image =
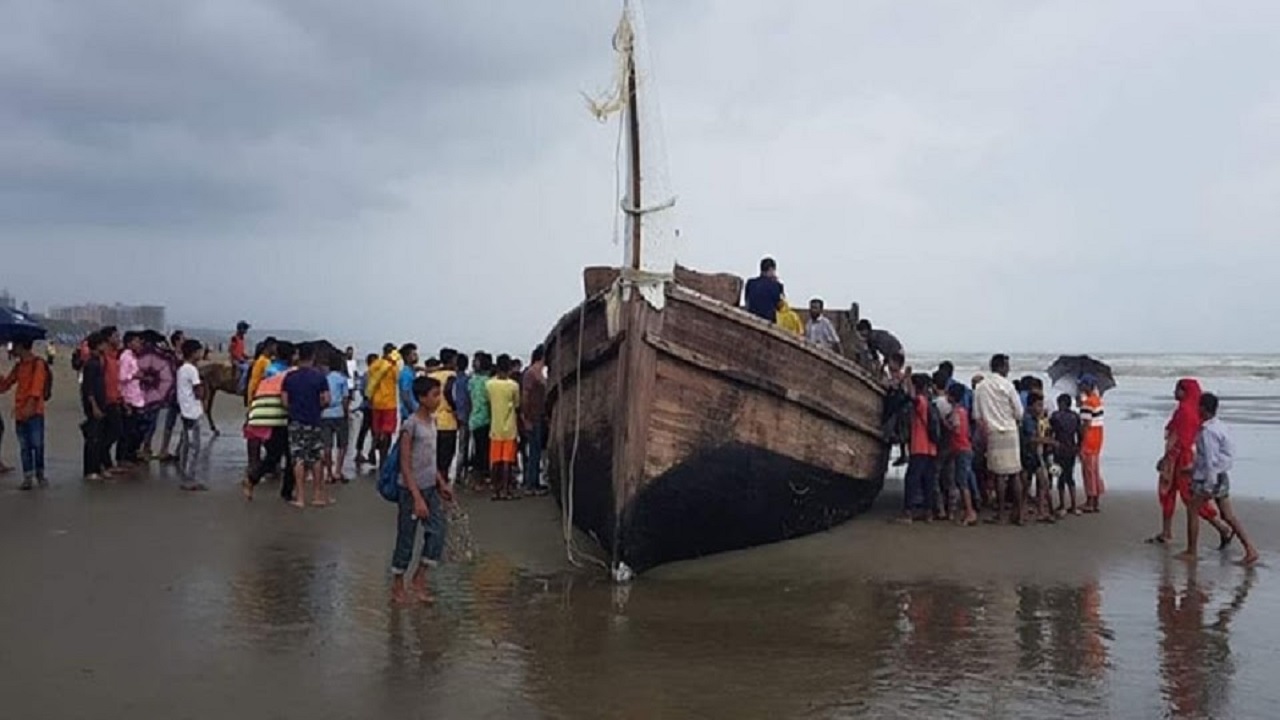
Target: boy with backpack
{"points": [[919, 491], [34, 382], [423, 491]]}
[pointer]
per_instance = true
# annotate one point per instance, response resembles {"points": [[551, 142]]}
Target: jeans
{"points": [[434, 528], [532, 479], [147, 427], [30, 434], [93, 430], [189, 449], [965, 478], [464, 449], [171, 418], [920, 492], [242, 377]]}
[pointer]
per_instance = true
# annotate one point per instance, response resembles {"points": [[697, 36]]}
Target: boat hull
{"points": [[693, 428]]}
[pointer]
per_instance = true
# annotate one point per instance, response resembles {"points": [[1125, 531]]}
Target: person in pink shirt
{"points": [[134, 401]]}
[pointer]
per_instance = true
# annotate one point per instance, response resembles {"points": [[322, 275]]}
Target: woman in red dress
{"points": [[1175, 466]]}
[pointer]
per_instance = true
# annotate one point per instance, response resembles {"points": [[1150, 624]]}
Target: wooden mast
{"points": [[633, 131]]}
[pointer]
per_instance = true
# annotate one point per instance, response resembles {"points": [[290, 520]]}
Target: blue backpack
{"points": [[389, 475]]}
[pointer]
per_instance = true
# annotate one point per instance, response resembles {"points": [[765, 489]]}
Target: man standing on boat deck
{"points": [[999, 411], [763, 293], [820, 331]]}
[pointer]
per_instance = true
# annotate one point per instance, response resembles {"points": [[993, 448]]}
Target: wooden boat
{"points": [[682, 425]]}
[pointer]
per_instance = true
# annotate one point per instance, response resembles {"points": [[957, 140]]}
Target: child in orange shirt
{"points": [[1091, 435]]}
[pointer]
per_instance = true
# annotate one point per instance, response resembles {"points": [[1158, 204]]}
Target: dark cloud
{"points": [[160, 112]]}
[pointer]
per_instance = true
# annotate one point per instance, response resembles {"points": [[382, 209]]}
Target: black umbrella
{"points": [[16, 325], [1077, 367]]}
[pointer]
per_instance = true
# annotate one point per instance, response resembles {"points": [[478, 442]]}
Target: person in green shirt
{"points": [[480, 416]]}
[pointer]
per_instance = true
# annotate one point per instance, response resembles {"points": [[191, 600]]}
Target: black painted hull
{"points": [[729, 498]]}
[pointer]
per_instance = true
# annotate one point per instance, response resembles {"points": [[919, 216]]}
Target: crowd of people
{"points": [[1000, 445], [441, 421], [447, 418], [994, 445]]}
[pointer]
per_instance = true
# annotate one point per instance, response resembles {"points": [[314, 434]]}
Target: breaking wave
{"points": [[1260, 367]]}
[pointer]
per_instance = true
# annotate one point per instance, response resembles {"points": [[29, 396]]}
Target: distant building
{"points": [[126, 317], [7, 300]]}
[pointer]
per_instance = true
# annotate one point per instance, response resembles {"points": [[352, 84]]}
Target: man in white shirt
{"points": [[353, 370], [819, 331], [190, 395], [998, 410]]}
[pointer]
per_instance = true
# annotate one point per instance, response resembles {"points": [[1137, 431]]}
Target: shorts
{"points": [[1067, 478], [336, 433], [1219, 490], [384, 421], [258, 433], [502, 451], [306, 443]]}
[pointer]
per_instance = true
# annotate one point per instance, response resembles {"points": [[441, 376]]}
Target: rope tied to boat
{"points": [[566, 485]]}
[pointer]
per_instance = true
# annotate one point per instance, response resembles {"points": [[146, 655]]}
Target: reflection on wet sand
{"points": [[285, 614], [837, 649], [1196, 664]]}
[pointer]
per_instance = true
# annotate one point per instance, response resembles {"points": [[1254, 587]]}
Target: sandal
{"points": [[1226, 540], [1156, 540]]}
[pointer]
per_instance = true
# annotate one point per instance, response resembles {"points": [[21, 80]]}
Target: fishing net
{"points": [[459, 546]]}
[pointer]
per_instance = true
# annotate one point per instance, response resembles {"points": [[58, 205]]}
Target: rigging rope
{"points": [[566, 488]]}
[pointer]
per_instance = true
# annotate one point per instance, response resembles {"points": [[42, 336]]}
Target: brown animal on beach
{"points": [[216, 377]]}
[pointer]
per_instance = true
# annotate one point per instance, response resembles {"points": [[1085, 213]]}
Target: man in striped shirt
{"points": [[1091, 435]]}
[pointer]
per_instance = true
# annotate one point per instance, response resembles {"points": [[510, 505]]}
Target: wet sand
{"points": [[133, 599]]}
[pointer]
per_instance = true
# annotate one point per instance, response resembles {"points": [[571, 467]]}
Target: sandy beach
{"points": [[133, 599]]}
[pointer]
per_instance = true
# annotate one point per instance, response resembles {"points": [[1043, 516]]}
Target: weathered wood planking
{"points": [[769, 352], [723, 287], [694, 410]]}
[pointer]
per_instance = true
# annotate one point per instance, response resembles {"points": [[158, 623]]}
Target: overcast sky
{"points": [[978, 175]]}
